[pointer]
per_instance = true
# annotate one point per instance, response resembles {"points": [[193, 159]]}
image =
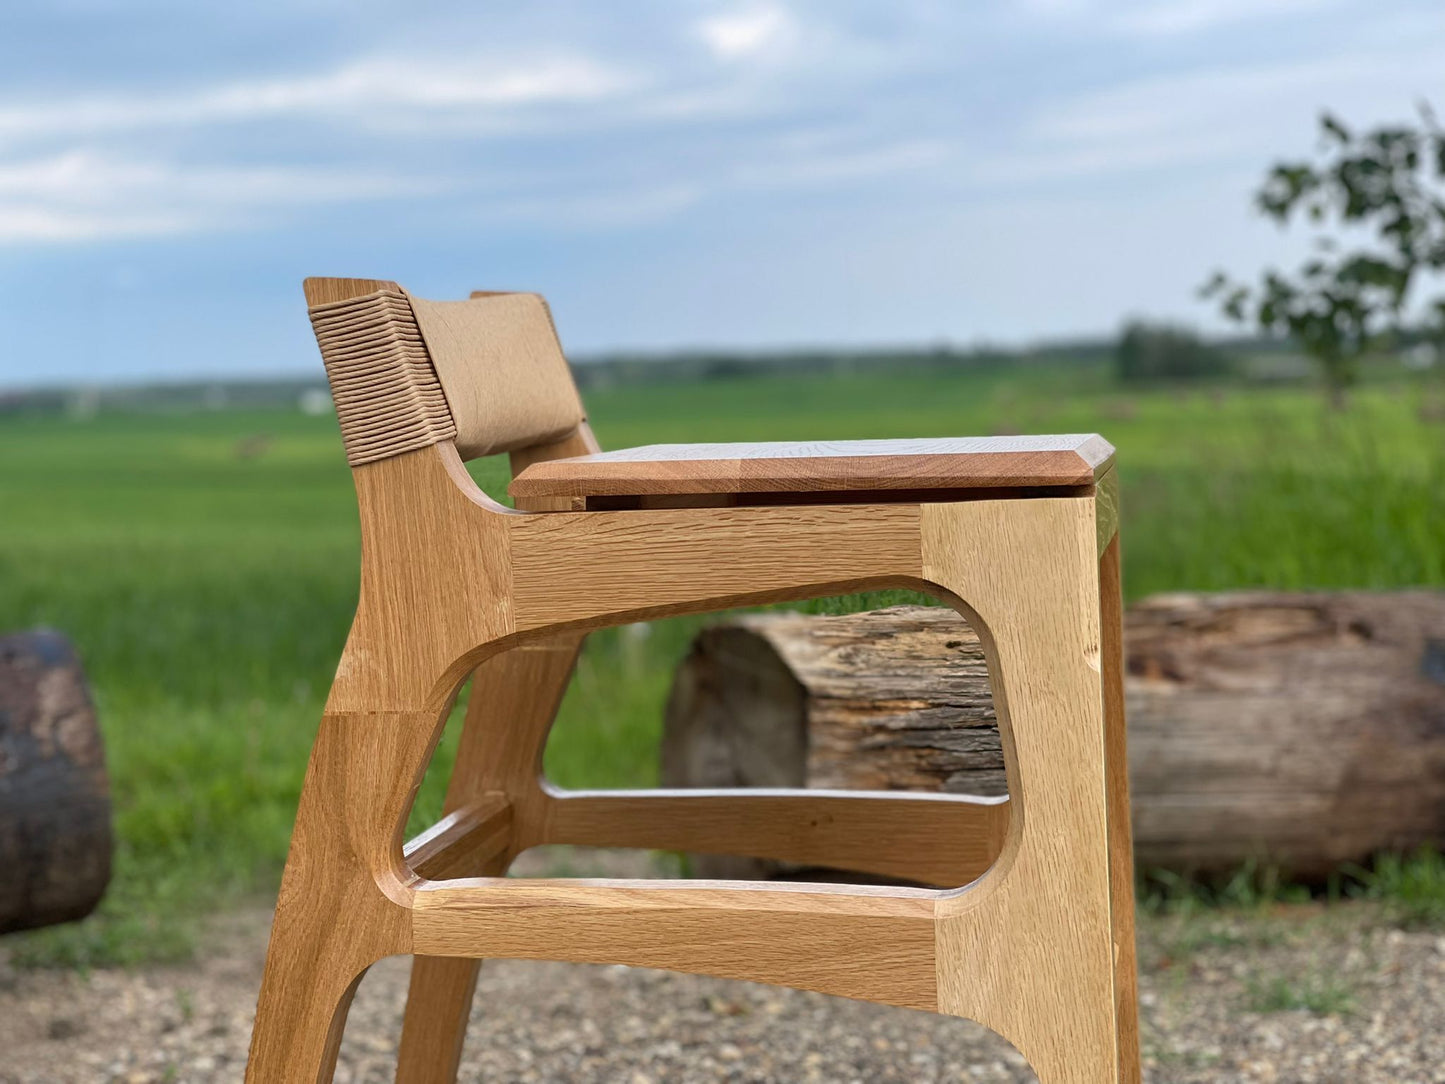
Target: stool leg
{"points": [[1121, 833], [1036, 949], [438, 1002], [514, 700], [333, 917]]}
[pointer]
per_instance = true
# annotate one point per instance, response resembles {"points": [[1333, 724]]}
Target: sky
{"points": [[722, 173]]}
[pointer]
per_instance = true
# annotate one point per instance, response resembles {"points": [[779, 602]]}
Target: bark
{"points": [[1301, 730], [55, 833]]}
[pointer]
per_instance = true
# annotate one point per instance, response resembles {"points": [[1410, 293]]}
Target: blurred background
{"points": [[753, 219]]}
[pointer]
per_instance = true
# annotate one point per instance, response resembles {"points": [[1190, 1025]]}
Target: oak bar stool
{"points": [[1018, 534]]}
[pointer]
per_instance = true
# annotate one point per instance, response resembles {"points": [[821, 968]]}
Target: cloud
{"points": [[1256, 112], [746, 32], [1162, 18], [22, 223], [826, 167], [374, 86], [609, 208], [83, 195], [1189, 16]]}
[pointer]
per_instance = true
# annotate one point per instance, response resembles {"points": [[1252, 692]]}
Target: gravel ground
{"points": [[1217, 998]]}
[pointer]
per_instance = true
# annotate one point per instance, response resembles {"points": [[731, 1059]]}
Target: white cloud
{"points": [[1162, 18], [1188, 16], [1062, 163], [747, 31], [824, 167], [83, 195], [609, 208], [27, 222], [1257, 112], [378, 86]]}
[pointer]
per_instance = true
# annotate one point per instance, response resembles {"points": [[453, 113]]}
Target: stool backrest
{"points": [[405, 373]]}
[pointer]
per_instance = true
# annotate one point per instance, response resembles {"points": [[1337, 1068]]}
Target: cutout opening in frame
{"points": [[886, 693]]}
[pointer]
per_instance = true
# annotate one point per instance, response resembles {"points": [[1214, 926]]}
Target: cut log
{"points": [[1299, 730], [55, 833]]}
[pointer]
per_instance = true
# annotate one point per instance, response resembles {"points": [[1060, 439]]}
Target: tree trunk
{"points": [[1303, 730], [55, 837]]}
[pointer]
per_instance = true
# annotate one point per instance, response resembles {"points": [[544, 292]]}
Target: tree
{"points": [[1159, 352], [1390, 182]]}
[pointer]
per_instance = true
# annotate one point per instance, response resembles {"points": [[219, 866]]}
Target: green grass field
{"points": [[205, 565]]}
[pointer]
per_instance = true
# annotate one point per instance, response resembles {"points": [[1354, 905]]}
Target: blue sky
{"points": [[733, 173]]}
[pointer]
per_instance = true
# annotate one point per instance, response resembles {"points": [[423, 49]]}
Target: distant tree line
{"points": [[1155, 353]]}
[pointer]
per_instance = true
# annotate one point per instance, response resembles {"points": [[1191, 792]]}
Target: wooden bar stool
{"points": [[1018, 534]]}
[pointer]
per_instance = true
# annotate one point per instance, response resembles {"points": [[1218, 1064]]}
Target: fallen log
{"points": [[1302, 730], [55, 833]]}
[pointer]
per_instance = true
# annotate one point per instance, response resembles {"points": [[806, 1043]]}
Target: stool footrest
{"points": [[463, 841], [878, 944], [947, 840]]}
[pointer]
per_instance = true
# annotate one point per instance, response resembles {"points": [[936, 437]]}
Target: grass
{"points": [[205, 565], [1318, 994], [1412, 887], [1253, 889]]}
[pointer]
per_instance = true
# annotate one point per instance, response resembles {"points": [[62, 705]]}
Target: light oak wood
{"points": [[947, 840], [1028, 951], [1116, 779], [958, 463], [875, 946], [453, 582]]}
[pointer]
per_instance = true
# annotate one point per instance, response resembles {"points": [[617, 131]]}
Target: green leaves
{"points": [[1391, 181]]}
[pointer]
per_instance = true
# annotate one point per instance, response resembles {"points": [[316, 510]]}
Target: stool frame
{"points": [[1039, 943]]}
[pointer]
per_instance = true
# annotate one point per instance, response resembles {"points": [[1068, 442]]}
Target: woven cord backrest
{"points": [[388, 398], [406, 373]]}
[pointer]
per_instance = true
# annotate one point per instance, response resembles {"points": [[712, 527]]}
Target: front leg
{"points": [[341, 906], [1040, 950], [514, 700]]}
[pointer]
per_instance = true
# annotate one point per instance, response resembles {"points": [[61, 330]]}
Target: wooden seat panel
{"points": [[841, 466]]}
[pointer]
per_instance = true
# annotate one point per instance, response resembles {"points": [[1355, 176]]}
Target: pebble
{"points": [[550, 1023]]}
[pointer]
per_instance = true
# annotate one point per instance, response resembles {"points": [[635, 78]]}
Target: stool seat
{"points": [[838, 466]]}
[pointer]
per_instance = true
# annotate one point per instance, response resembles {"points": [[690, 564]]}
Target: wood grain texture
{"points": [[579, 442], [1029, 950], [1305, 729], [1116, 779], [463, 841], [1106, 509], [876, 945], [322, 291], [930, 839], [414, 624], [894, 699], [452, 582], [599, 568], [496, 787], [872, 465], [344, 893]]}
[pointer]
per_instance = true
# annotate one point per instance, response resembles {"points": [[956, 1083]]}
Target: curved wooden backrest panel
{"points": [[406, 373]]}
